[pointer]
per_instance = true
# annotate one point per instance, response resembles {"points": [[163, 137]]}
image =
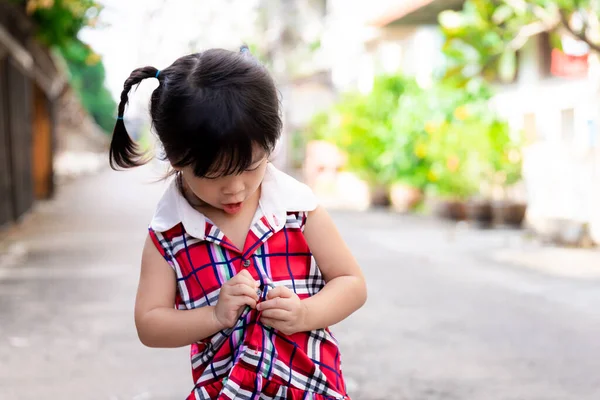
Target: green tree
{"points": [[362, 125], [87, 77], [59, 21], [57, 24], [483, 38]]}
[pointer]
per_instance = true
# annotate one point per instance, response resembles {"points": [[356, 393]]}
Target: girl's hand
{"points": [[284, 311], [236, 293]]}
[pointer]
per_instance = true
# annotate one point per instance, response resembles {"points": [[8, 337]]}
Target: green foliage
{"points": [[363, 126], [57, 25], [483, 39], [87, 77], [467, 143], [443, 140], [59, 21]]}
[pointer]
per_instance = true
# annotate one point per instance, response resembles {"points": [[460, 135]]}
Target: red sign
{"points": [[568, 66]]}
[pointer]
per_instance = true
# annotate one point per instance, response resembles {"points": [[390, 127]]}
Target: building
{"points": [[554, 99], [30, 85], [40, 118]]}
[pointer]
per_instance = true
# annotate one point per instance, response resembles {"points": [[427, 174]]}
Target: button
{"points": [[246, 263]]}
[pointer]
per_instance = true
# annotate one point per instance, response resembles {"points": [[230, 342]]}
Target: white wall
{"points": [[562, 163]]}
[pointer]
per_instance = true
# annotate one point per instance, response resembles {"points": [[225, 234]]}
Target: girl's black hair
{"points": [[211, 110]]}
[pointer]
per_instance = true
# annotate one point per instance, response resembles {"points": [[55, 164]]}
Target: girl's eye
{"points": [[251, 168]]}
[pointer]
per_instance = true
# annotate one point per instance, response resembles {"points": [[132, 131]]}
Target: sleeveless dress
{"points": [[251, 360]]}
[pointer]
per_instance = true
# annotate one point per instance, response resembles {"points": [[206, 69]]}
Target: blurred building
{"points": [[555, 99], [39, 117], [29, 87]]}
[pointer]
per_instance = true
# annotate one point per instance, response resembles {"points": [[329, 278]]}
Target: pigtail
{"points": [[124, 152]]}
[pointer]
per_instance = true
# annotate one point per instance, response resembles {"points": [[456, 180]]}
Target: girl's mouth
{"points": [[232, 208]]}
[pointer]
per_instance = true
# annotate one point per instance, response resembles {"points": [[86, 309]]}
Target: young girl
{"points": [[255, 268]]}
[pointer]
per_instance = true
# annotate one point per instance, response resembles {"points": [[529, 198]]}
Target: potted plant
{"points": [[507, 165], [494, 166], [360, 125], [403, 197], [456, 156], [406, 156], [509, 213], [480, 212], [469, 149]]}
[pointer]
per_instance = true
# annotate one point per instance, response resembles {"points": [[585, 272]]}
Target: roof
{"points": [[416, 12]]}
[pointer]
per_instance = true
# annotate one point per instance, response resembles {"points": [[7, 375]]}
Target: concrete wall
{"points": [[563, 186]]}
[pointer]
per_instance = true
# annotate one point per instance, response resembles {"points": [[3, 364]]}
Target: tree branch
{"points": [[564, 19], [526, 32], [546, 20]]}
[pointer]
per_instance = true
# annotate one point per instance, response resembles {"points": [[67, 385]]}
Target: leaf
{"points": [[502, 13], [555, 41], [453, 72], [483, 7], [451, 21], [315, 45], [507, 66], [520, 6], [491, 40]]}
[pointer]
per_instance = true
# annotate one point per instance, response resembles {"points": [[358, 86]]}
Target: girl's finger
{"points": [[276, 303], [241, 289], [244, 277], [272, 323], [280, 291], [280, 315], [245, 301]]}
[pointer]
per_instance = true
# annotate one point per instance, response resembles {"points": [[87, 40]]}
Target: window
{"points": [[530, 127], [567, 125]]}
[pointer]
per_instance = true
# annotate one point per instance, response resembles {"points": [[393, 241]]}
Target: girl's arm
{"points": [[345, 290], [158, 323]]}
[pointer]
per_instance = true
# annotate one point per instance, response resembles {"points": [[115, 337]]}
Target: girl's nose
{"points": [[233, 185]]}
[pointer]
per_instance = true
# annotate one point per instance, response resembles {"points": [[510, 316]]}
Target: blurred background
{"points": [[456, 143]]}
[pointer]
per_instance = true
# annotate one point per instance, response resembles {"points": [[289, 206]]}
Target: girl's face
{"points": [[227, 193]]}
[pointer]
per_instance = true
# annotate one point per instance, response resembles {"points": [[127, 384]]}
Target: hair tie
{"points": [[119, 118], [157, 73], [244, 49]]}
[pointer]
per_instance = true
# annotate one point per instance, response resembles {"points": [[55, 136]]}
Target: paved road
{"points": [[452, 314]]}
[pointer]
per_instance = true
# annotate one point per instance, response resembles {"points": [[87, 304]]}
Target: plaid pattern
{"points": [[250, 360]]}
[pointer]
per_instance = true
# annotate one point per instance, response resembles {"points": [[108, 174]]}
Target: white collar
{"points": [[280, 194]]}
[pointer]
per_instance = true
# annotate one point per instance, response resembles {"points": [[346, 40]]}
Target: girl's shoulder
{"points": [[281, 191]]}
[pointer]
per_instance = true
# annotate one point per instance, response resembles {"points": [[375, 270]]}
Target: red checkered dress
{"points": [[251, 360]]}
